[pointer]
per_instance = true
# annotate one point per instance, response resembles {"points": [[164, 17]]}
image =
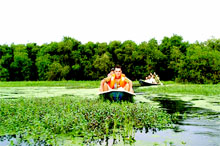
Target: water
{"points": [[11, 140], [200, 127]]}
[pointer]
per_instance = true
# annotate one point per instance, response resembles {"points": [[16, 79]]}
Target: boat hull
{"points": [[143, 83], [117, 95]]}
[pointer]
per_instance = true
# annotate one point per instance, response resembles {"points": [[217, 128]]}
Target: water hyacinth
{"points": [[44, 119]]}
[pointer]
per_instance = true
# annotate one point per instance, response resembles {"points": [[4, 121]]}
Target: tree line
{"points": [[69, 59]]}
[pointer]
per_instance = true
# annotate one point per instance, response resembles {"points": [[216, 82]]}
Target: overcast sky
{"points": [[44, 21]]}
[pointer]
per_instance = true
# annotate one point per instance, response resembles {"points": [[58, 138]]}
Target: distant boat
{"points": [[117, 95], [144, 83]]}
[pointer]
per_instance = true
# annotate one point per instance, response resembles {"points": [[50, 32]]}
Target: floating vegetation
{"points": [[46, 119], [184, 89]]}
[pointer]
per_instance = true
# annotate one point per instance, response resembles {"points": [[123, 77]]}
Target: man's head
{"points": [[118, 71]]}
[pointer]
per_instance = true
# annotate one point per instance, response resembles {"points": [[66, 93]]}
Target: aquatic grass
{"points": [[189, 89], [44, 119], [69, 84]]}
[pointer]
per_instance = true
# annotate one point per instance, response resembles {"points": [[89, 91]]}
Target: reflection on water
{"points": [[200, 130], [7, 140], [194, 132], [173, 105], [11, 140]]}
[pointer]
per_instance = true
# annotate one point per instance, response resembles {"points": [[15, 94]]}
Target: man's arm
{"points": [[129, 83], [105, 80]]}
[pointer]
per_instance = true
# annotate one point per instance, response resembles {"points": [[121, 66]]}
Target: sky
{"points": [[45, 21]]}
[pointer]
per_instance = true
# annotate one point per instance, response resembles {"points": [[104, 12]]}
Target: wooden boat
{"points": [[117, 95], [144, 83]]}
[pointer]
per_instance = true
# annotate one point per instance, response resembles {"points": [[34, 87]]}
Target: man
{"points": [[116, 81]]}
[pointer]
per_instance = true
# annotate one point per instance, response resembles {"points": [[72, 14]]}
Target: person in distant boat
{"points": [[112, 72], [151, 78], [157, 79], [147, 78], [116, 81]]}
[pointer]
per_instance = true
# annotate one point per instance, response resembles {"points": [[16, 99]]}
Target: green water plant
{"points": [[68, 84], [45, 119], [184, 89]]}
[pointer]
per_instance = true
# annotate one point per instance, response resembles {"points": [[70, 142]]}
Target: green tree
{"points": [[87, 57], [124, 56], [101, 49], [21, 65], [166, 46], [32, 50], [176, 56], [70, 60], [114, 45], [6, 58], [57, 72], [43, 62], [102, 64], [201, 65], [213, 44], [67, 58], [148, 58]]}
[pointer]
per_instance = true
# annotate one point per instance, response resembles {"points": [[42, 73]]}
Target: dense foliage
{"points": [[45, 119], [172, 59]]}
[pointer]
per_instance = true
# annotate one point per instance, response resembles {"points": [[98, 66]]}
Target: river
{"points": [[199, 127]]}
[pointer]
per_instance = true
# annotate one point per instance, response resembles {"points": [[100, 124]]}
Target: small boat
{"points": [[144, 83], [117, 95]]}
